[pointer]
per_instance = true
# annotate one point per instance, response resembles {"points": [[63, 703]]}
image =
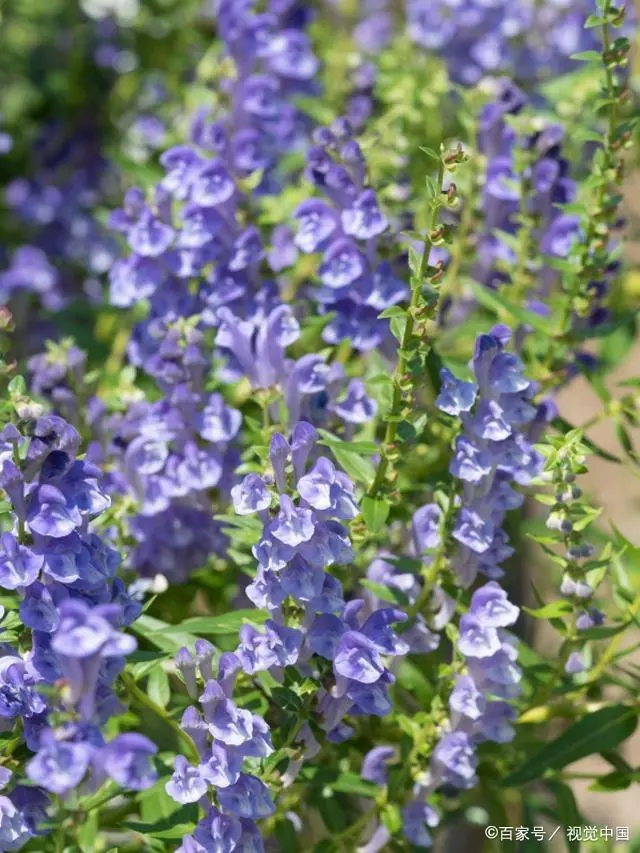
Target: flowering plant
{"points": [[291, 339]]}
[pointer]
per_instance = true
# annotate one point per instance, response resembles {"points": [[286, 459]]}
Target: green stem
{"points": [[393, 415], [610, 652], [138, 694], [612, 116], [97, 802], [354, 828]]}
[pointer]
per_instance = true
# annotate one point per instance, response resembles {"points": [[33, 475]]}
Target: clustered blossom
{"points": [[538, 191], [229, 741], [172, 456], [58, 374], [311, 627], [478, 710], [72, 604], [56, 205], [193, 228], [192, 220], [371, 35], [492, 453], [90, 650], [531, 40], [20, 812], [311, 388], [528, 176], [356, 281], [298, 543]]}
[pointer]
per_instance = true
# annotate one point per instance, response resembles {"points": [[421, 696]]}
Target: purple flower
{"points": [[356, 407], [251, 495], [59, 765], [127, 760], [212, 185], [469, 463], [14, 829], [222, 767], [247, 798], [50, 513], [18, 696], [342, 265], [325, 634], [277, 647], [378, 629], [575, 664], [466, 699], [425, 527], [418, 818], [19, 566], [149, 236], [279, 456], [283, 253], [292, 525], [316, 223], [374, 764], [491, 607], [38, 610], [455, 760], [473, 531], [357, 657], [477, 638], [324, 488], [364, 219], [187, 784], [84, 637]]}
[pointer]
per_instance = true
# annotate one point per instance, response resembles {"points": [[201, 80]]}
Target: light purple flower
{"points": [[251, 495]]}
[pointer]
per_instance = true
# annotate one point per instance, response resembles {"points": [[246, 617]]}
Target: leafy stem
{"points": [[404, 354], [141, 697]]}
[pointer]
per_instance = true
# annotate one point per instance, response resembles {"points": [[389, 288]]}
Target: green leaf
{"points": [[429, 152], [394, 311], [397, 327], [587, 56], [375, 512], [168, 829], [325, 846], [247, 522], [159, 812], [566, 810], [142, 663], [627, 443], [385, 593], [414, 680], [598, 732], [497, 303], [354, 465], [17, 387], [287, 699], [551, 610], [616, 781], [158, 687], [88, 832], [604, 632], [227, 623], [168, 638], [351, 783], [366, 448], [565, 427]]}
